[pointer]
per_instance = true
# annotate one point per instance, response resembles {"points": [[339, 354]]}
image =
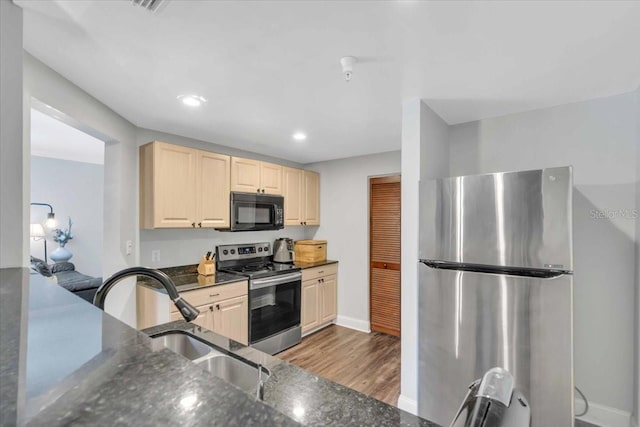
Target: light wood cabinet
{"points": [[293, 191], [254, 176], [301, 190], [182, 187], [311, 198], [213, 190], [231, 318], [319, 299], [309, 305], [224, 309]]}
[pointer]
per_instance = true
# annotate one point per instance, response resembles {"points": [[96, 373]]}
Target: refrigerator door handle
{"points": [[540, 273]]}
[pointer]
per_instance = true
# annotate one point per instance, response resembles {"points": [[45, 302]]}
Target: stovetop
{"points": [[252, 260], [262, 269]]}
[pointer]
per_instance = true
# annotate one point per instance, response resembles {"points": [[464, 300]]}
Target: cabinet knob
{"points": [[305, 223], [217, 306], [210, 308], [263, 190], [301, 223], [384, 265], [193, 224], [258, 190]]}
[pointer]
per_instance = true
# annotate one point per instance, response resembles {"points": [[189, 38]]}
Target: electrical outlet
{"points": [[155, 255], [129, 247]]}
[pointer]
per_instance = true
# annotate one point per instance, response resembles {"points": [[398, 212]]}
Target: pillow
{"points": [[62, 266], [41, 267]]}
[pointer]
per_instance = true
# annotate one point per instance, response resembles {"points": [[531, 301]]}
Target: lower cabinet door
{"points": [[310, 316], [231, 318], [328, 298]]}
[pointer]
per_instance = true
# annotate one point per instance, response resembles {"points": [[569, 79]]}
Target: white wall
{"points": [[184, 247], [13, 179], [425, 155], [344, 219], [599, 138], [74, 189], [637, 334]]}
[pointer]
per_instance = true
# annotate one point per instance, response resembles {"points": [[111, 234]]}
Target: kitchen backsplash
{"points": [[183, 247]]}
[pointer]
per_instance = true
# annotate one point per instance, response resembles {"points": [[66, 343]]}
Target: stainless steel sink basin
{"points": [[182, 344], [239, 372]]}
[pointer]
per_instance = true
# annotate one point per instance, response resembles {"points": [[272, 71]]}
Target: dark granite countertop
{"points": [[65, 362], [186, 278], [304, 265]]}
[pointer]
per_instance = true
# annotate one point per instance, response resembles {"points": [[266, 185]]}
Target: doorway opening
{"points": [[67, 203], [384, 254]]}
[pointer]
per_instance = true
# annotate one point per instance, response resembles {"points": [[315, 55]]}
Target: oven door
{"points": [[274, 305], [256, 212]]}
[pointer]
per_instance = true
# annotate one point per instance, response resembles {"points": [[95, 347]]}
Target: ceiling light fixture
{"points": [[192, 100], [299, 136]]}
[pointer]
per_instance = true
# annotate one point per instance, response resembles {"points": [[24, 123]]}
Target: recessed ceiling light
{"points": [[299, 136], [192, 100]]}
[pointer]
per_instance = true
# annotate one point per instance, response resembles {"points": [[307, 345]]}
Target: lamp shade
{"points": [[36, 230]]}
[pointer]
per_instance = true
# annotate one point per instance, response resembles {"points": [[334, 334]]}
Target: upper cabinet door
{"points": [[312, 198], [270, 178], [168, 173], [293, 191], [213, 189], [245, 175]]}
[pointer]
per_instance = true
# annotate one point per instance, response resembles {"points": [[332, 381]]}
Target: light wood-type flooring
{"points": [[368, 363]]}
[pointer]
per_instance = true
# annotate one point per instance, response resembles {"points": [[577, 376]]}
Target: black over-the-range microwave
{"points": [[256, 211]]}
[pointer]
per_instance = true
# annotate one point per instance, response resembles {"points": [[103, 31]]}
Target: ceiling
{"points": [[52, 138], [271, 68]]}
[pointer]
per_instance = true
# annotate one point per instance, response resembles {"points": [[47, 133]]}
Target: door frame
{"points": [[378, 179]]}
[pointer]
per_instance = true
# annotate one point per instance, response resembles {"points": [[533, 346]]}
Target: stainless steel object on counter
{"points": [[493, 402], [496, 289], [283, 250]]}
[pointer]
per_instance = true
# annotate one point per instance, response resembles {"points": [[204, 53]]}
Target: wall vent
{"points": [[150, 5]]}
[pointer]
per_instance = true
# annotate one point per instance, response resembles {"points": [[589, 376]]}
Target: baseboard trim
{"points": [[605, 416], [408, 405], [352, 323]]}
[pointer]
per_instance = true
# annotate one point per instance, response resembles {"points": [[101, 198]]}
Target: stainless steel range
{"points": [[274, 294]]}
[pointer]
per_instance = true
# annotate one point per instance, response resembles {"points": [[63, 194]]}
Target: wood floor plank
{"points": [[368, 363]]}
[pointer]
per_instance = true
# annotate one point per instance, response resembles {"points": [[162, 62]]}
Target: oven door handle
{"points": [[275, 281]]}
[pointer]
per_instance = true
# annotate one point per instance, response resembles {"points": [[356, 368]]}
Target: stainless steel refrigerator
{"points": [[496, 289]]}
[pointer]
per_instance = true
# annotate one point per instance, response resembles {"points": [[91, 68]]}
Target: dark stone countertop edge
{"points": [[305, 265]]}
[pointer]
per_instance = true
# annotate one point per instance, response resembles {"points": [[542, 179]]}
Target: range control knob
{"points": [[259, 249], [225, 252], [233, 251], [266, 248]]}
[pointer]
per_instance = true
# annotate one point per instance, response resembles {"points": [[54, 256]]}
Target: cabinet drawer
{"points": [[317, 272], [213, 294]]}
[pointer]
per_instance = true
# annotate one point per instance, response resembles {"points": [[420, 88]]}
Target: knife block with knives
{"points": [[207, 266]]}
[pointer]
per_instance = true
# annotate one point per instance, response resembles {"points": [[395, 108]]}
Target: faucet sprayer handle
{"points": [[188, 311]]}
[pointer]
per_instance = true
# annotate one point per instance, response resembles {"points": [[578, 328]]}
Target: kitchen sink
{"points": [[239, 372], [183, 344]]}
